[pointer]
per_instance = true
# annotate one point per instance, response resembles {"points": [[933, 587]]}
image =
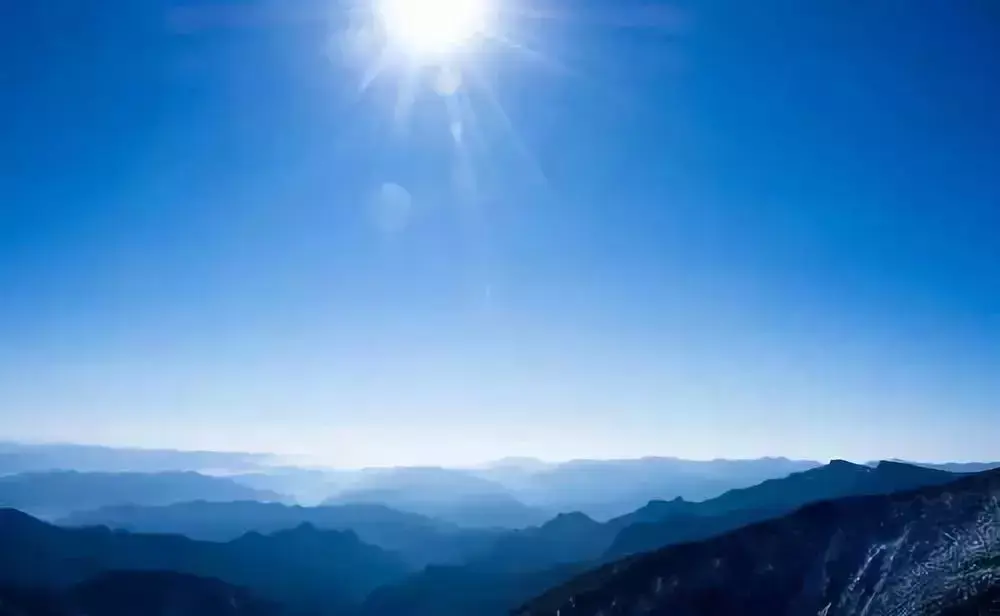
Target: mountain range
{"points": [[930, 551], [303, 567], [605, 489], [518, 492], [521, 561], [452, 495], [58, 493], [772, 498], [371, 554], [418, 539], [564, 539]]}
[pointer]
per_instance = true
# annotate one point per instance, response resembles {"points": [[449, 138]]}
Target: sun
{"points": [[425, 29]]}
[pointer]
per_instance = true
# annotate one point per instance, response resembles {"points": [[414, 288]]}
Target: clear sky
{"points": [[699, 229]]}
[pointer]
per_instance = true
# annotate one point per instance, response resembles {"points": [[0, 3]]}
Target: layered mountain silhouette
{"points": [[419, 539], [456, 496], [604, 489], [575, 537], [522, 492], [769, 499], [307, 486], [570, 543], [130, 593], [926, 552], [302, 567], [58, 493], [367, 559]]}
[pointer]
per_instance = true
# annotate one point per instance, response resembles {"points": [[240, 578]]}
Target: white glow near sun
{"points": [[432, 27]]}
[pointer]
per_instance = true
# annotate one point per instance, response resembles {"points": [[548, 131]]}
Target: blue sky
{"points": [[722, 229]]}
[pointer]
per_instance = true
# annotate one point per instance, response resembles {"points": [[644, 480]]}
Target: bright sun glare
{"points": [[424, 28]]}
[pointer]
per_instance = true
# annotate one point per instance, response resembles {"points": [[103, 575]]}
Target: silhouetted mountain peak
{"points": [[573, 520], [13, 518], [838, 464], [309, 533], [899, 465]]}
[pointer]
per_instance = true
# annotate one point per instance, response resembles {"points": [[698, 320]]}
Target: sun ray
{"points": [[658, 17], [405, 96], [535, 55], [373, 70], [552, 63], [508, 127]]}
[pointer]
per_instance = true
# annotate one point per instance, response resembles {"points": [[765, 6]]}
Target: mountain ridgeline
{"points": [[53, 494], [418, 539], [520, 561], [772, 498], [806, 535]]}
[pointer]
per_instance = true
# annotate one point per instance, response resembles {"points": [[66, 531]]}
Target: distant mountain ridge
{"points": [[955, 467], [926, 552], [58, 493], [418, 539], [30, 457], [456, 496], [605, 489]]}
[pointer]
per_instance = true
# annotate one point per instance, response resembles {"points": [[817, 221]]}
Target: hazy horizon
{"points": [[276, 460], [694, 230]]}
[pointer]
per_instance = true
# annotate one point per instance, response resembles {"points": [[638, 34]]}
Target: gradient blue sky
{"points": [[699, 229]]}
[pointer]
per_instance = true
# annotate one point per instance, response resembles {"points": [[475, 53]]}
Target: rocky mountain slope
{"points": [[925, 552]]}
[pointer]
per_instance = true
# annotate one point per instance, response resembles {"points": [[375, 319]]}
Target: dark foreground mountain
{"points": [[133, 593], [59, 493], [473, 590], [770, 499], [927, 552], [303, 567], [419, 539]]}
